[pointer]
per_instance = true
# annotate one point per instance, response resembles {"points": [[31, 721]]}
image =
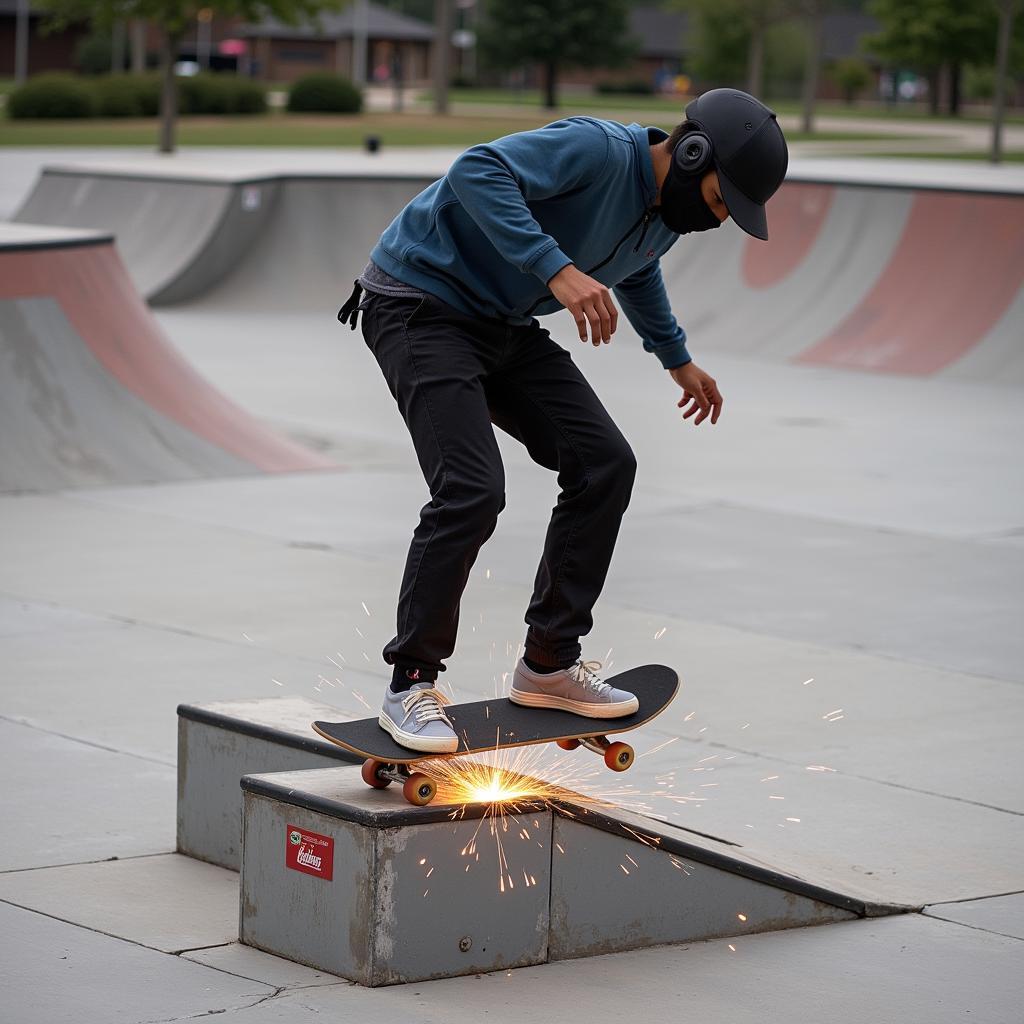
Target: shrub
{"points": [[636, 87], [852, 75], [220, 94], [120, 96], [323, 93], [57, 96]]}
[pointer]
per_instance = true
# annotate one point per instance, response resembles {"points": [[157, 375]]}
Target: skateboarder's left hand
{"points": [[700, 393]]}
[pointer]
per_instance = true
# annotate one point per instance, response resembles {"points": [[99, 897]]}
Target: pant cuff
{"points": [[558, 657]]}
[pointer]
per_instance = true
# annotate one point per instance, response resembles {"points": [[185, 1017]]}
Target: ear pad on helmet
{"points": [[693, 153]]}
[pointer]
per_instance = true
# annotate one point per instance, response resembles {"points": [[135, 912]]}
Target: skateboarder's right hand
{"points": [[589, 301]]}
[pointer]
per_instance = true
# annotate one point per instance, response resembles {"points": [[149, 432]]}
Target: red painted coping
{"points": [[98, 298], [795, 218], [954, 272]]}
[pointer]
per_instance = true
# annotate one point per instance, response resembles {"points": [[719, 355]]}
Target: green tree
{"points": [[732, 37], [852, 75], [935, 36], [556, 34], [173, 18]]}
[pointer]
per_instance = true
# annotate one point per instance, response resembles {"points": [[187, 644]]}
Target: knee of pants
{"points": [[483, 500], [616, 471]]}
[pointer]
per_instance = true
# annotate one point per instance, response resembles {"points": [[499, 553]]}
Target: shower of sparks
{"points": [[365, 609]]}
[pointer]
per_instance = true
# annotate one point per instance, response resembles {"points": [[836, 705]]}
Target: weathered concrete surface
{"points": [[52, 972], [166, 902], [1001, 914]]}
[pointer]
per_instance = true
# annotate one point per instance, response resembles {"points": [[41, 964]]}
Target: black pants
{"points": [[453, 376]]}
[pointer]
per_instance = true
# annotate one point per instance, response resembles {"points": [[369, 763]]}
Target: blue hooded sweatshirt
{"points": [[488, 236]]}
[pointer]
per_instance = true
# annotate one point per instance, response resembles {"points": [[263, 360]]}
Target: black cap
{"points": [[750, 152]]}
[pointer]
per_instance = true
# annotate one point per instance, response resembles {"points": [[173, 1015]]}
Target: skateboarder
{"points": [[530, 224]]}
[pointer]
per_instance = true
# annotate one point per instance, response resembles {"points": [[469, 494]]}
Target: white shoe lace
{"points": [[427, 705], [585, 673]]}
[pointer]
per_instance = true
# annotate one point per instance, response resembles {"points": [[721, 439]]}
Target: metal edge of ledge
{"points": [[391, 817], [313, 744], [605, 820]]}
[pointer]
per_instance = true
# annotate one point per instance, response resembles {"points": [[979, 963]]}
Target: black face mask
{"points": [[682, 206]]}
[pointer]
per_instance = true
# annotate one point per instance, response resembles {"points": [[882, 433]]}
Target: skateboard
{"points": [[498, 724]]}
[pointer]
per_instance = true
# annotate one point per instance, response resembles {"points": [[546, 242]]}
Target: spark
{"points": [[768, 778], [631, 861], [807, 682], [776, 798], [365, 609], [819, 768], [425, 893], [689, 716], [660, 633], [362, 700], [487, 574], [429, 873], [423, 860], [747, 726], [742, 917], [797, 820], [624, 868], [838, 711], [361, 633], [245, 636], [732, 947], [273, 680]]}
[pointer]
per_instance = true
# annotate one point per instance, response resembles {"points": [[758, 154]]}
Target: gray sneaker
{"points": [[416, 719], [578, 689]]}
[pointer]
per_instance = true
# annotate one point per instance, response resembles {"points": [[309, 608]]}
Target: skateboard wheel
{"points": [[370, 776], [568, 744], [619, 756], [419, 789]]}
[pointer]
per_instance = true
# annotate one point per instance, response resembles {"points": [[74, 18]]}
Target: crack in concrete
{"points": [[974, 927], [85, 743], [76, 863]]}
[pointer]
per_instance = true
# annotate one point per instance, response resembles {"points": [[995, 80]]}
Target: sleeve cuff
{"points": [[672, 356], [550, 264]]}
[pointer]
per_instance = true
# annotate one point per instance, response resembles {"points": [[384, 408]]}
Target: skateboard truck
{"points": [[417, 788], [617, 756]]}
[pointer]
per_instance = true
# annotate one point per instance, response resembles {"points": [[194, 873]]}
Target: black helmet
{"points": [[749, 152]]}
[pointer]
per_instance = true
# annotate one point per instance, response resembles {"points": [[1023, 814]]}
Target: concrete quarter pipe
{"points": [[91, 392]]}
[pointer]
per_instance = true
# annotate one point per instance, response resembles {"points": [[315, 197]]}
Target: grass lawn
{"points": [[1015, 156], [279, 129], [572, 101]]}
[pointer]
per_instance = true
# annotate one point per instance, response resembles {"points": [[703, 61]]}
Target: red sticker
{"points": [[309, 852]]}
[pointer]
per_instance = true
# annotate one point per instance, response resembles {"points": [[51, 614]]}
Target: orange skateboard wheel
{"points": [[568, 744], [370, 776], [619, 756], [419, 789]]}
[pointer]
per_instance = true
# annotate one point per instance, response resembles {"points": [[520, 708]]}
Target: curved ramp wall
{"points": [[899, 274], [91, 392]]}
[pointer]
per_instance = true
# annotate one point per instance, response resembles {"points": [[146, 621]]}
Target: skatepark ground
{"points": [[835, 569]]}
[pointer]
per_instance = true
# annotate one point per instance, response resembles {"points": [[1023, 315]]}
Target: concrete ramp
{"points": [[92, 393], [886, 279], [912, 270]]}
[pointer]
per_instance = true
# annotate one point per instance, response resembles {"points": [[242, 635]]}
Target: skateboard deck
{"points": [[498, 724]]}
